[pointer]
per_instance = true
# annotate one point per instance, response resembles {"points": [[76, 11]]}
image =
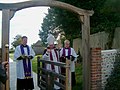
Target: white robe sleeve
{"points": [[46, 57], [74, 54], [61, 52], [17, 53], [32, 53]]}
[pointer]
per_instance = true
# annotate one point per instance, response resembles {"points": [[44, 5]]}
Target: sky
{"points": [[25, 22]]}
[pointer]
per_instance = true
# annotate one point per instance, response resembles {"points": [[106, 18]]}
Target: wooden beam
{"points": [[35, 3], [86, 51], [71, 8], [12, 13]]}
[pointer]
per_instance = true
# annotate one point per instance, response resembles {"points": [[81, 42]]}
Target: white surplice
{"points": [[73, 53], [46, 56], [19, 63]]}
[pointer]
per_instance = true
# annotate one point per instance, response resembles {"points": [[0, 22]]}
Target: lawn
{"points": [[78, 72], [34, 63]]}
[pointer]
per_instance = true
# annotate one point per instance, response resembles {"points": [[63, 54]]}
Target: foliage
{"points": [[17, 41], [48, 26], [68, 21], [43, 36], [11, 50], [106, 17], [11, 55], [113, 82], [78, 74], [112, 19]]}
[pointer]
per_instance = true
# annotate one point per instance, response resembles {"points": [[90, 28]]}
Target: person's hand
{"points": [[68, 57], [72, 58], [5, 64], [30, 57], [62, 59], [24, 57], [48, 50]]}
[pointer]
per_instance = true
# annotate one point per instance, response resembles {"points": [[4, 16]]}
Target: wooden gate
{"points": [[49, 76], [9, 9]]}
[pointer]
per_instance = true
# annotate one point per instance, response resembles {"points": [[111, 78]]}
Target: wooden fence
{"points": [[46, 78]]}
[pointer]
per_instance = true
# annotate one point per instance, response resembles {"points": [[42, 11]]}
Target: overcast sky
{"points": [[26, 22]]}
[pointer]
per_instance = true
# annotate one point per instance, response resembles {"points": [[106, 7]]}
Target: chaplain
{"points": [[69, 53], [23, 56]]}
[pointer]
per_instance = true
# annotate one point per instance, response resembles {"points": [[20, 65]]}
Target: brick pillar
{"points": [[96, 68]]}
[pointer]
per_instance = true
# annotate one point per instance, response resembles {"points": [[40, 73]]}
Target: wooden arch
{"points": [[9, 9]]}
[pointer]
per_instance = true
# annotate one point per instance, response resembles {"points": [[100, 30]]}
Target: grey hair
{"points": [[66, 41]]}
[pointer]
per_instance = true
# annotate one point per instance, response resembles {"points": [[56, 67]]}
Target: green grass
{"points": [[78, 72], [34, 63]]}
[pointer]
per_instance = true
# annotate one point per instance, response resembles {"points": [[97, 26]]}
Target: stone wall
{"points": [[109, 61], [99, 40], [103, 63], [116, 41]]}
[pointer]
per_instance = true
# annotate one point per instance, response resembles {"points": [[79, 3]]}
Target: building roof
{"points": [[38, 44]]}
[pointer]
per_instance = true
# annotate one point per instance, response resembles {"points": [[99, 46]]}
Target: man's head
{"points": [[67, 43], [24, 40], [51, 46]]}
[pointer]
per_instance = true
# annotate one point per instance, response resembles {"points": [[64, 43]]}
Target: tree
{"points": [[48, 26], [17, 41], [68, 21], [103, 19]]}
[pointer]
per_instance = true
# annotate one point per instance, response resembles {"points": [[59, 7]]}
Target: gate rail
{"points": [[49, 76]]}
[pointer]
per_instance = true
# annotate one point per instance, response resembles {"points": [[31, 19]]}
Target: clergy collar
{"points": [[24, 45], [67, 48], [51, 48]]}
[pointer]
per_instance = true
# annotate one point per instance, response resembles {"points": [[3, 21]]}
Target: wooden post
{"points": [[38, 71], [68, 75], [51, 84], [0, 62], [86, 51], [5, 38], [5, 31], [7, 59]]}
